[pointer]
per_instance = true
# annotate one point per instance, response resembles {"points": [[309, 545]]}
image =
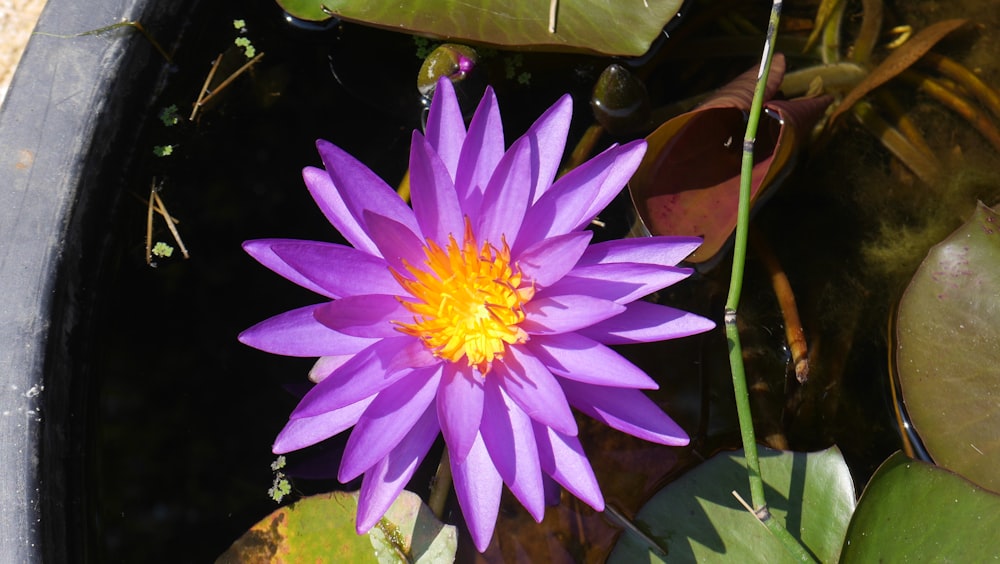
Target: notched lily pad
{"points": [[623, 27], [948, 350], [697, 519], [320, 528], [915, 512]]}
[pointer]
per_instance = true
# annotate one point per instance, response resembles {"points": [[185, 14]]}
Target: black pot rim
{"points": [[71, 105]]}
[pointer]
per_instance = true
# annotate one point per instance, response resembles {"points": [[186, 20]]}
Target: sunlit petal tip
{"points": [[478, 487], [391, 415], [302, 432], [460, 410]]}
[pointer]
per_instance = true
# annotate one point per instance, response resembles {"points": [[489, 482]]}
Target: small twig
{"points": [[229, 80], [170, 224], [553, 12], [153, 42], [745, 505], [149, 225], [156, 208], [204, 87]]}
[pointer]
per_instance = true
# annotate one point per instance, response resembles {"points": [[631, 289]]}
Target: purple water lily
{"points": [[482, 313]]}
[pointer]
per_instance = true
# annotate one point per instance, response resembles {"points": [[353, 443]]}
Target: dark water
{"points": [[184, 415]]}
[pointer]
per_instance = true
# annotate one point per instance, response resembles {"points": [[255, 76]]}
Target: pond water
{"points": [[183, 415]]}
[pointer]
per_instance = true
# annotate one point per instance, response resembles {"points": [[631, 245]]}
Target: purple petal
{"points": [[478, 489], [362, 189], [580, 194], [508, 435], [366, 374], [644, 322], [306, 431], [662, 250], [626, 162], [623, 283], [533, 388], [412, 354], [629, 411], [560, 314], [445, 129], [547, 261], [395, 242], [435, 201], [260, 249], [328, 265], [326, 365], [507, 195], [562, 457], [384, 481], [331, 203], [297, 333], [576, 357], [482, 150], [387, 420], [547, 137], [459, 410], [561, 209], [363, 316]]}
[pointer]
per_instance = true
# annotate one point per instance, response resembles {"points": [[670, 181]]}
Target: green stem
{"points": [[760, 509]]}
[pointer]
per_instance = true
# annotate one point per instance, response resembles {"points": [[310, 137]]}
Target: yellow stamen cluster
{"points": [[467, 301]]}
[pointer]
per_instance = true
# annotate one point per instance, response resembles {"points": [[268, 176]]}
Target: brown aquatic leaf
{"points": [[738, 93], [688, 183], [900, 60]]}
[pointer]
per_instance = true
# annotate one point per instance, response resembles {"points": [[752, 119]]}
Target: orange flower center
{"points": [[468, 300]]}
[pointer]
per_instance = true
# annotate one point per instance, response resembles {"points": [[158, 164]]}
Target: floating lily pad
{"points": [[623, 27], [697, 519], [916, 512], [320, 528], [948, 350]]}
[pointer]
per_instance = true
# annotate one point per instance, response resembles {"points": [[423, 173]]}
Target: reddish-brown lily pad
{"points": [[688, 182]]}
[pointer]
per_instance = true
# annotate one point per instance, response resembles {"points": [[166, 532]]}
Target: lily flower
{"points": [[481, 313]]}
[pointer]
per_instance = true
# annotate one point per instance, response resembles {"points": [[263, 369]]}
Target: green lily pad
{"points": [[948, 350], [916, 512], [320, 528], [623, 27], [697, 519]]}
